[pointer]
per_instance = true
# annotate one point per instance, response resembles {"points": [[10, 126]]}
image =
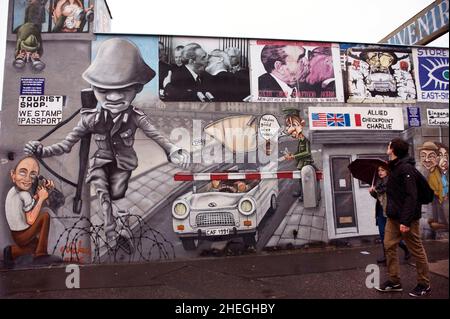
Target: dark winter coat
{"points": [[402, 203]]}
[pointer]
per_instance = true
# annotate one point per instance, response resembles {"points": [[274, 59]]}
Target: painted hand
{"points": [[49, 184], [289, 157], [42, 193], [33, 148], [167, 79], [180, 158]]}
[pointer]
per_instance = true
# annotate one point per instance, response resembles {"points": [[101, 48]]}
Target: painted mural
{"points": [[379, 75], [158, 148], [432, 74], [202, 70], [32, 18], [434, 159], [289, 71]]}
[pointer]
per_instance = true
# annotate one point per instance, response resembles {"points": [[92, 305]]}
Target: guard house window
{"points": [[53, 16]]}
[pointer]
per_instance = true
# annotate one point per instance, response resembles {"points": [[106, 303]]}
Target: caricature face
{"points": [[429, 159], [380, 61], [116, 100], [215, 184], [443, 159], [382, 172], [294, 127], [26, 172]]}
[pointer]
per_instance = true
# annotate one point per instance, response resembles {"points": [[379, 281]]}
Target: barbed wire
{"points": [[143, 244]]}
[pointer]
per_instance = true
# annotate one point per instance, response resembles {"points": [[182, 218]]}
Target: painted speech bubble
{"points": [[269, 127]]}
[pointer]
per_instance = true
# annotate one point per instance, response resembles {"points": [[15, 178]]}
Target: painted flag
{"points": [[357, 119], [338, 119], [319, 119]]}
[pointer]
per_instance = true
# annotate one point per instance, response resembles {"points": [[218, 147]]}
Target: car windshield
{"points": [[229, 186]]}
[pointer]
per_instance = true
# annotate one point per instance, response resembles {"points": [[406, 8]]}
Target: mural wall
{"points": [[122, 148]]}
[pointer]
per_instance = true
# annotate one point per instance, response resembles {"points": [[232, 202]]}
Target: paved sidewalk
{"points": [[328, 273]]}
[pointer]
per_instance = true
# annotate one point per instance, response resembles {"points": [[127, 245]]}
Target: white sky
{"points": [[365, 21]]}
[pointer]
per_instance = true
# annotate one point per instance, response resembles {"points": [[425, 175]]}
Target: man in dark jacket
{"points": [[404, 212]]}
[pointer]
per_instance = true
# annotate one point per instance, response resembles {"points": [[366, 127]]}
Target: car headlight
{"points": [[180, 210], [246, 206]]}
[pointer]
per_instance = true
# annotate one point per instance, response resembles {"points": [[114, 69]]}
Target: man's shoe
{"points": [[389, 286], [381, 260], [8, 261], [296, 194], [420, 290]]}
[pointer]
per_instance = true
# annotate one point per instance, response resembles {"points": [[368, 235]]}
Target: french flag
{"points": [[357, 119]]}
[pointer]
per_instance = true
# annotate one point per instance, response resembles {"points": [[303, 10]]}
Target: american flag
{"points": [[319, 119]]}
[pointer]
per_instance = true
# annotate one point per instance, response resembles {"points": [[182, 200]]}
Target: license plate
{"points": [[217, 232]]}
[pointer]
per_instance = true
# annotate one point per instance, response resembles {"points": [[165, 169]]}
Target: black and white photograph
{"points": [[203, 70]]}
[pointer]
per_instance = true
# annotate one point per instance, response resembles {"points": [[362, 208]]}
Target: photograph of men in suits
{"points": [[186, 82], [286, 67], [206, 70], [222, 84]]}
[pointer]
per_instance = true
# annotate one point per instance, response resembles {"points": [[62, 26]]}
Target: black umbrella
{"points": [[365, 169]]}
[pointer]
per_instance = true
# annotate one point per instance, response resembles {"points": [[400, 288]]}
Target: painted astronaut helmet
{"points": [[118, 64]]}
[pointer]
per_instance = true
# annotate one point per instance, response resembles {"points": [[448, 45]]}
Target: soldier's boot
{"points": [[36, 62], [124, 239], [20, 60], [109, 221]]}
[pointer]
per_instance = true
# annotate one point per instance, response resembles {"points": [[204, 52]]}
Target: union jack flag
{"points": [[338, 119]]}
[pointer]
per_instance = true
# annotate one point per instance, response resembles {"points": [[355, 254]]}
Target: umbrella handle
{"points": [[373, 179]]}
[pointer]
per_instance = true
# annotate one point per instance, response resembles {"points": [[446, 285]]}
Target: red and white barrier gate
{"points": [[187, 177]]}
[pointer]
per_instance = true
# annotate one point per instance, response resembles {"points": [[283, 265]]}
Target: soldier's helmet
{"points": [[118, 64]]}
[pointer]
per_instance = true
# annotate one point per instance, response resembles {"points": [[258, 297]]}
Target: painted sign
{"points": [[355, 118], [292, 71], [431, 73], [32, 86], [424, 27], [40, 109], [379, 75], [414, 116], [437, 117]]}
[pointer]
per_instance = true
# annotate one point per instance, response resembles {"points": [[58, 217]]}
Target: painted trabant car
{"points": [[225, 208]]}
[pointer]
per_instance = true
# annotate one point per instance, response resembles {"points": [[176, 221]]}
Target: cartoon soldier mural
{"points": [[303, 157], [29, 46], [117, 75]]}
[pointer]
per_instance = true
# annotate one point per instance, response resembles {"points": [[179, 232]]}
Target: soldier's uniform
{"points": [[303, 158], [118, 65], [111, 165], [303, 155]]}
